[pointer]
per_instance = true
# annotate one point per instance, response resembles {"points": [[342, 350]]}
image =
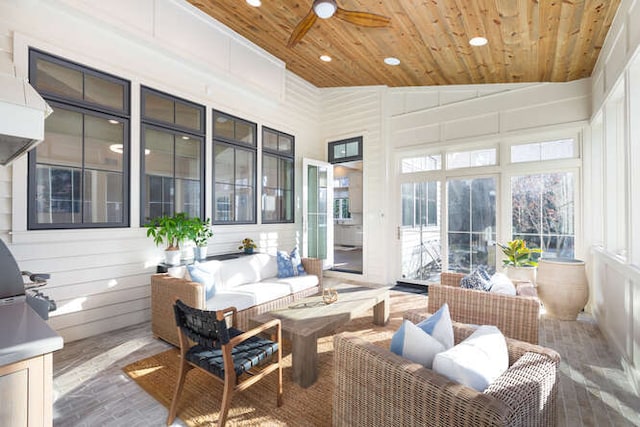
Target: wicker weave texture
{"points": [[165, 289], [374, 387], [516, 316]]}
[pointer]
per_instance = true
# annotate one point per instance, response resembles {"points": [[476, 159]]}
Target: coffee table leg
{"points": [[305, 359], [381, 311]]}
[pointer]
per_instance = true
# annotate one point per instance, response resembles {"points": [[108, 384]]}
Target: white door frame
{"points": [[328, 262]]}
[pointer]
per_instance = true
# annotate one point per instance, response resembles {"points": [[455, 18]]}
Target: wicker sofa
{"points": [[517, 316], [242, 281], [374, 387]]}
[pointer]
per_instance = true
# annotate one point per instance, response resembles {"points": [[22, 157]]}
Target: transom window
{"points": [[346, 150], [471, 158], [78, 176], [234, 170], [277, 176], [172, 160], [538, 151], [421, 164]]}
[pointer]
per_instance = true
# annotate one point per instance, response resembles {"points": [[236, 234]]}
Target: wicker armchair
{"points": [[517, 316], [374, 387]]}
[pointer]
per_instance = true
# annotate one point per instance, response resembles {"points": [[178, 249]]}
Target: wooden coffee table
{"points": [[308, 319]]}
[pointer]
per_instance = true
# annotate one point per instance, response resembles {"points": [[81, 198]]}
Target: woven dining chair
{"points": [[238, 359]]}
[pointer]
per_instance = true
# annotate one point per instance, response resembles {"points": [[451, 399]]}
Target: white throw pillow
{"points": [[415, 344], [477, 361], [501, 284]]}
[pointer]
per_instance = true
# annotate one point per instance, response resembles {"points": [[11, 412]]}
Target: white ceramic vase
{"points": [[200, 252], [521, 274], [562, 287]]}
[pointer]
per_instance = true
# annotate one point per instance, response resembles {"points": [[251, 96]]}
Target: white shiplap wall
{"points": [[100, 278], [614, 188]]}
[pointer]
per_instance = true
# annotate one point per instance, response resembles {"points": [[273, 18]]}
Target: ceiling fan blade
{"points": [[301, 29], [363, 19]]}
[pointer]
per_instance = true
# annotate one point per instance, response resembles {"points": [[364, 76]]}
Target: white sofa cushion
{"points": [[247, 269], [297, 283], [245, 296]]}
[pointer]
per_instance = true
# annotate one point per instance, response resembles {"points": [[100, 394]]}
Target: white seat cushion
{"points": [[247, 269], [297, 283], [245, 296]]}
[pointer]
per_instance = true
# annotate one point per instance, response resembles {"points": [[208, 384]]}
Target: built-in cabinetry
{"points": [[348, 235], [26, 367]]}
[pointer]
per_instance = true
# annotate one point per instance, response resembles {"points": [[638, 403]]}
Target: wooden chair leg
{"points": [[226, 402], [279, 401], [182, 374]]}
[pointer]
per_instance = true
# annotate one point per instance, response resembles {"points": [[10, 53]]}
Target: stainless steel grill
{"points": [[13, 286]]}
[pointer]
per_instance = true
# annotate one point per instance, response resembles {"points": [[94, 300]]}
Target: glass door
{"points": [[471, 223], [420, 232], [317, 211]]}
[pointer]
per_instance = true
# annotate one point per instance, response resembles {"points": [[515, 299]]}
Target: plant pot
{"points": [[248, 250], [521, 274], [200, 252], [187, 250], [562, 287], [172, 257]]}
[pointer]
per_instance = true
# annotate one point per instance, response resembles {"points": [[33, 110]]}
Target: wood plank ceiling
{"points": [[529, 40]]}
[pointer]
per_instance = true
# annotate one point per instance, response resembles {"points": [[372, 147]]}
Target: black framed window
{"points": [[79, 174], [234, 170], [277, 176], [172, 156], [346, 150]]}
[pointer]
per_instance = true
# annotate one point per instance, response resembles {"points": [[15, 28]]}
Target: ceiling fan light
{"points": [[324, 8]]}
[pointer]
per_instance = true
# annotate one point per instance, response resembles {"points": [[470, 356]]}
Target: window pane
{"points": [[98, 207], [54, 78], [223, 126], [472, 223], [244, 168], [475, 158], [222, 206], [245, 202], [104, 92], [188, 116], [407, 204], [269, 140], [63, 139], [158, 107], [188, 158], [421, 164], [561, 149], [286, 174], [224, 163], [159, 161], [339, 151], [58, 195], [245, 132], [104, 144], [269, 171], [285, 144], [352, 149], [188, 197], [543, 212]]}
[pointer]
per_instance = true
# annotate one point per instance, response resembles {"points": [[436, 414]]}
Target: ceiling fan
{"points": [[325, 9]]}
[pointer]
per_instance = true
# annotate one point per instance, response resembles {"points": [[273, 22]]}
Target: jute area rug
{"points": [[199, 403]]}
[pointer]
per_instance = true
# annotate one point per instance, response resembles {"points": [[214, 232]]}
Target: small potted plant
{"points": [[247, 245], [520, 263], [170, 231], [201, 232]]}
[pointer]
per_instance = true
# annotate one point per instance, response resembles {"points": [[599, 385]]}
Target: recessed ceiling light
{"points": [[391, 61], [254, 3], [113, 122], [325, 58], [478, 41], [116, 148]]}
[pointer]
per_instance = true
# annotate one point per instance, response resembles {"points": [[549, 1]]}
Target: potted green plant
{"points": [[247, 245], [170, 231], [201, 232], [520, 262]]}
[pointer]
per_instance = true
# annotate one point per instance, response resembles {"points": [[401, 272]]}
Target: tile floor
{"points": [[90, 388]]}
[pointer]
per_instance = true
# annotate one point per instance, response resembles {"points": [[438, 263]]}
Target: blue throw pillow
{"points": [[289, 264], [439, 326], [201, 275]]}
